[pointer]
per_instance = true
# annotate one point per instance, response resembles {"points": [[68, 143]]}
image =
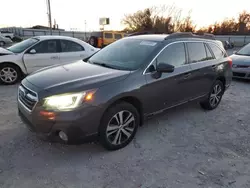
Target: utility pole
{"points": [[85, 23], [49, 16]]}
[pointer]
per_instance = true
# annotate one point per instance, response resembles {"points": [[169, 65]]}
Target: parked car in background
{"points": [[131, 79], [7, 34], [5, 41], [228, 45], [241, 62], [38, 52], [101, 39]]}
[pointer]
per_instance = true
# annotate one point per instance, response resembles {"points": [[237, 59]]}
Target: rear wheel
{"points": [[119, 126], [9, 74], [214, 96]]}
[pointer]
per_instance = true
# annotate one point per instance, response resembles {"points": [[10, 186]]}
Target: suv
{"points": [[111, 93], [100, 39]]}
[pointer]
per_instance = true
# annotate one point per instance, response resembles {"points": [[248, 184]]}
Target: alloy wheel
{"points": [[216, 95], [120, 127], [8, 75]]}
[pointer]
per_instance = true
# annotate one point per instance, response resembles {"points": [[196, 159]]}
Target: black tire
{"points": [[16, 71], [2, 43], [108, 117], [93, 41], [208, 104]]}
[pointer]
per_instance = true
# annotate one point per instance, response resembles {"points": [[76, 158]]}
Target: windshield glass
{"points": [[124, 54], [245, 50], [20, 47]]}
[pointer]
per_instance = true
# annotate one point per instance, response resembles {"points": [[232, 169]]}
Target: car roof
{"points": [[46, 37], [152, 37], [174, 36]]}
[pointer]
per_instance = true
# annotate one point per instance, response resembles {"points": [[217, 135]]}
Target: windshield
{"points": [[124, 54], [20, 47], [245, 50]]}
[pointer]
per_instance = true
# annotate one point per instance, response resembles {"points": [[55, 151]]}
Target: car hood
{"points": [[76, 76], [5, 52], [240, 59]]}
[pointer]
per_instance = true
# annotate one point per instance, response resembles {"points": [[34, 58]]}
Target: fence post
{"points": [[73, 34], [59, 32]]}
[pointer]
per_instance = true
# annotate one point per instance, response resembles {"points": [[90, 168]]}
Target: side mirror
{"points": [[163, 67], [234, 52], [32, 51]]}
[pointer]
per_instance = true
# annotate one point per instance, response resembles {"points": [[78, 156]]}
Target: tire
{"points": [[93, 41], [112, 135], [2, 43], [11, 70], [214, 97]]}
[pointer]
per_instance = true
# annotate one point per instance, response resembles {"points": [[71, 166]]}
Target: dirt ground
{"points": [[184, 147]]}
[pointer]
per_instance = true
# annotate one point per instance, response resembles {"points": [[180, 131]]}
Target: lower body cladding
{"points": [[66, 126], [243, 73]]}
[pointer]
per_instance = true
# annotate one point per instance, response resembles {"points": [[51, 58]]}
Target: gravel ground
{"points": [[184, 147]]}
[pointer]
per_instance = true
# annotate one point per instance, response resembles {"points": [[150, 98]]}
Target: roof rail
{"points": [[144, 33], [190, 35]]}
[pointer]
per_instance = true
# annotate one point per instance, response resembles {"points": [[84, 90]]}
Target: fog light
{"points": [[63, 136]]}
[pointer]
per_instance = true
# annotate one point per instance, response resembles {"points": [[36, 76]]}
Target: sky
{"points": [[71, 14]]}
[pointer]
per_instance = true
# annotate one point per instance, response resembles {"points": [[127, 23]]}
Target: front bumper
{"points": [[79, 124], [241, 73]]}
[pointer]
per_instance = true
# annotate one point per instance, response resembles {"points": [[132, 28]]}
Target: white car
{"points": [[4, 41], [38, 52]]}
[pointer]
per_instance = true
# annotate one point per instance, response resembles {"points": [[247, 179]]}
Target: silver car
{"points": [[241, 63], [4, 41]]}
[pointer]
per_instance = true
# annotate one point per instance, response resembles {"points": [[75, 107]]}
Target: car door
{"points": [[168, 89], [71, 51], [43, 54], [202, 63]]}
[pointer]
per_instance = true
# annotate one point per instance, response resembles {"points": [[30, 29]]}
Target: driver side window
{"points": [[174, 55], [47, 46]]}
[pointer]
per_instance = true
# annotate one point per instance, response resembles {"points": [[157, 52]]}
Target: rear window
{"points": [[218, 53], [108, 35], [118, 36], [196, 52]]}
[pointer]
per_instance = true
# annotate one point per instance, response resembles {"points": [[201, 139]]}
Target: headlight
{"points": [[67, 101]]}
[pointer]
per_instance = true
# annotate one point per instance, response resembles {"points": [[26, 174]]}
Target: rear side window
{"points": [[218, 53], [174, 55], [209, 55], [196, 51], [70, 46], [118, 36], [108, 35]]}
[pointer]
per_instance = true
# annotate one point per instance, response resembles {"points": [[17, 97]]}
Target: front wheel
{"points": [[9, 74], [119, 126], [214, 96], [2, 43]]}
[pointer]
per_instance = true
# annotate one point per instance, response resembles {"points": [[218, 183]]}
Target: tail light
{"points": [[230, 62]]}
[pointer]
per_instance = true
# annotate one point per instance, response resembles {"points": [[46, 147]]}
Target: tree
{"points": [[165, 19]]}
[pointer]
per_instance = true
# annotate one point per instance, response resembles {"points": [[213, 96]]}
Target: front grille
{"points": [[27, 97], [239, 74], [242, 66]]}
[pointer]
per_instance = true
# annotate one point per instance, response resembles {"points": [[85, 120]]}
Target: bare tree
{"points": [[165, 18]]}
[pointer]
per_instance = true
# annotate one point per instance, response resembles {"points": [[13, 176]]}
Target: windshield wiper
{"points": [[103, 65]]}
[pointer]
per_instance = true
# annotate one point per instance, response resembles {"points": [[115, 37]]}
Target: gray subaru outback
{"points": [[110, 94]]}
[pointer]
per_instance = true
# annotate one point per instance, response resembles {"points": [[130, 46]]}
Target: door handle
{"points": [[187, 75], [214, 66], [54, 57], [82, 55]]}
